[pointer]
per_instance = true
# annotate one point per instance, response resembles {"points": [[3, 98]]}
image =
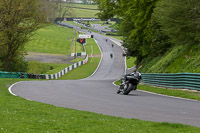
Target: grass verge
{"points": [[130, 61], [45, 68], [171, 92], [92, 47], [89, 6], [18, 115], [37, 67], [77, 47], [82, 71], [168, 92], [179, 59]]}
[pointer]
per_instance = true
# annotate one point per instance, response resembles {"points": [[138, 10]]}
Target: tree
{"points": [[108, 8], [151, 27], [63, 8], [136, 16], [179, 20], [56, 9], [142, 33], [18, 20]]}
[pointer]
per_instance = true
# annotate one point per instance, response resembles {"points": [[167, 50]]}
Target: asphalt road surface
{"points": [[97, 93], [99, 27]]}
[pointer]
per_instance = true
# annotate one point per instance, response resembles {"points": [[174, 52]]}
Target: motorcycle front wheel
{"points": [[128, 89]]}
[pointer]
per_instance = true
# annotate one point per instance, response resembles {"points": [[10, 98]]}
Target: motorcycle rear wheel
{"points": [[128, 89]]}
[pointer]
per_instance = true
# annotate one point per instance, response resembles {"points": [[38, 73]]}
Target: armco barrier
{"points": [[13, 75], [173, 80], [42, 76]]}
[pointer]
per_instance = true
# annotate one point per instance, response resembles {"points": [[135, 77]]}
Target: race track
{"points": [[97, 93]]}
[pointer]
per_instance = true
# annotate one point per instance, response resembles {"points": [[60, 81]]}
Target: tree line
{"points": [[151, 27], [18, 21]]}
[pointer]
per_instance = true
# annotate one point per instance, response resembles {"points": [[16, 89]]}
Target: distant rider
{"points": [[111, 55]]}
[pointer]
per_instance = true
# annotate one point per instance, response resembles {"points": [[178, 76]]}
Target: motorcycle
{"points": [[129, 82]]}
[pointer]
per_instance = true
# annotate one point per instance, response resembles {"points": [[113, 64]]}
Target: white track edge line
{"points": [[115, 84], [125, 65], [10, 88], [169, 96], [162, 94], [131, 67]]}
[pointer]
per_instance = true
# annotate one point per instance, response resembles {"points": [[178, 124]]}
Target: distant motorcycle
{"points": [[129, 82], [111, 55]]}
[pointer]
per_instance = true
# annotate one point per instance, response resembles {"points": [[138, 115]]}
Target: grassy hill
{"points": [[55, 40], [51, 39], [82, 10], [178, 59]]}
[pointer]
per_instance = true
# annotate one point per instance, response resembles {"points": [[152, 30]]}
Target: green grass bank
{"points": [[83, 10], [51, 39], [130, 62], [179, 59]]}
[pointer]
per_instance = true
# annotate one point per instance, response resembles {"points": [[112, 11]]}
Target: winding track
{"points": [[97, 93]]}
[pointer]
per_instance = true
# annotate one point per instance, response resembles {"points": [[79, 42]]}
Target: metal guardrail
{"points": [[173, 80], [13, 75], [43, 76]]}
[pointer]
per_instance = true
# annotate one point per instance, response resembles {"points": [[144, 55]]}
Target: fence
{"points": [[13, 75], [42, 76], [173, 80]]}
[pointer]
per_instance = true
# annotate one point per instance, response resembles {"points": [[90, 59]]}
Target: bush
{"points": [[37, 67]]}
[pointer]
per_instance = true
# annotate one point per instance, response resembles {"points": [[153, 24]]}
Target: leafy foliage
{"points": [[154, 30], [135, 27], [18, 19], [136, 16], [179, 20], [107, 8]]}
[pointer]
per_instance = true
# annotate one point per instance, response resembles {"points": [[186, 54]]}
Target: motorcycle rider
{"points": [[111, 55], [137, 74]]}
